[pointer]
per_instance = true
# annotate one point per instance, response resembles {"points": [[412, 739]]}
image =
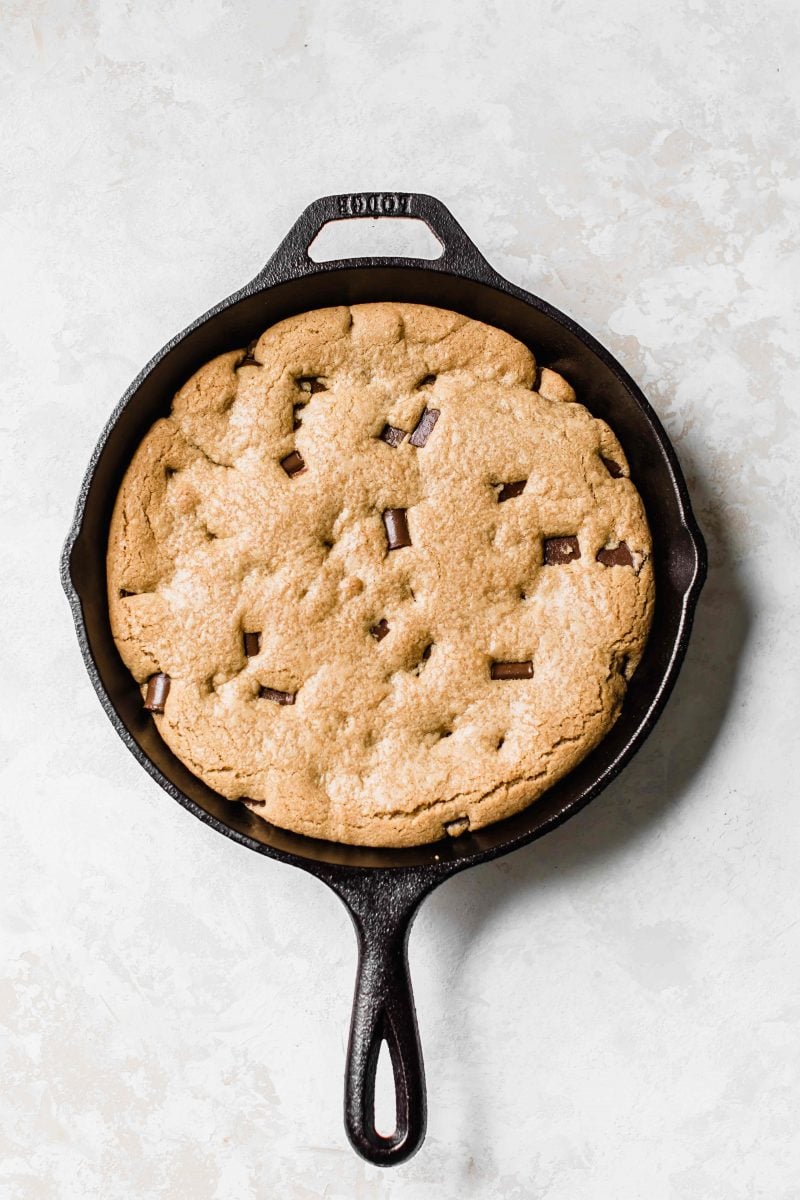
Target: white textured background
{"points": [[611, 1014]]}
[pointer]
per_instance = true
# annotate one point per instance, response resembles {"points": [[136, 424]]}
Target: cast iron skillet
{"points": [[382, 889]]}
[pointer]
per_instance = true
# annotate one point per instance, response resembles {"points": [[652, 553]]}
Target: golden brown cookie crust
{"points": [[397, 728]]}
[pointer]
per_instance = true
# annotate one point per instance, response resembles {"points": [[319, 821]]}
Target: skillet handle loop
{"points": [[383, 1011], [291, 260], [382, 905]]}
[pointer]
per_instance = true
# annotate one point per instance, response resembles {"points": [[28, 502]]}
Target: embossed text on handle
{"points": [[378, 204]]}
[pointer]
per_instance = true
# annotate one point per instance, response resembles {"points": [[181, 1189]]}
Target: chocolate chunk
{"points": [[391, 435], [424, 427], [396, 524], [157, 692], [511, 670], [268, 693], [311, 384], [249, 359], [426, 380], [252, 644], [423, 658], [124, 593], [559, 550], [616, 556], [509, 490], [293, 464], [380, 630], [613, 468]]}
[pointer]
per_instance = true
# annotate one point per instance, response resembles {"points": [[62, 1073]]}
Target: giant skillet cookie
{"points": [[380, 577]]}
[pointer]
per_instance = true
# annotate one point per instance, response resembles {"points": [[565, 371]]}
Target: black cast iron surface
{"points": [[382, 888]]}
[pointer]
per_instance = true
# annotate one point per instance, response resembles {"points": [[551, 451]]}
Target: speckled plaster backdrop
{"points": [[611, 1014]]}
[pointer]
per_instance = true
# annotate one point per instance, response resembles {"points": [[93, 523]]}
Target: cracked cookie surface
{"points": [[397, 591]]}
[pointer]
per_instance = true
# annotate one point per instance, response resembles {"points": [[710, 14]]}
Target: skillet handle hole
{"points": [[389, 237], [385, 1110]]}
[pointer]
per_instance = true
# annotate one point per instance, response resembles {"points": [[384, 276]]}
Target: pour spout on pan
{"points": [[383, 904]]}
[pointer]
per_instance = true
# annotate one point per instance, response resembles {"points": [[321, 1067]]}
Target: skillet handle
{"points": [[383, 1010], [291, 260], [383, 906]]}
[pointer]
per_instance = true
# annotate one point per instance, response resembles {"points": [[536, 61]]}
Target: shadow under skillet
{"points": [[656, 780]]}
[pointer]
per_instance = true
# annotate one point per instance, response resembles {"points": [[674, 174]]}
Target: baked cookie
{"points": [[378, 576]]}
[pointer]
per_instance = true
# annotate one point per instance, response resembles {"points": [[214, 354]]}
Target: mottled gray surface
{"points": [[610, 1013]]}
